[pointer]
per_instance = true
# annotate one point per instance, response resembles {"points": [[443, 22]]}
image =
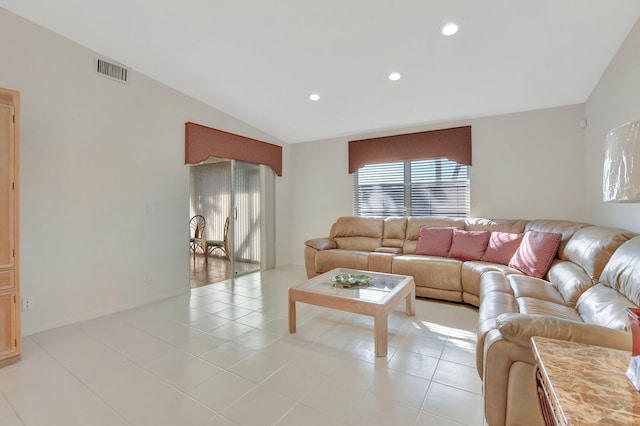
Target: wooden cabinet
{"points": [[10, 342]]}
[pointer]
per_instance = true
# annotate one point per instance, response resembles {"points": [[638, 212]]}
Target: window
{"points": [[418, 188]]}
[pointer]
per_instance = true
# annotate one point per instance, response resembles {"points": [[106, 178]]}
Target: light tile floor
{"points": [[222, 355]]}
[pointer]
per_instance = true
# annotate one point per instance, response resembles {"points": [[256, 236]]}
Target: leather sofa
{"points": [[389, 245], [583, 297]]}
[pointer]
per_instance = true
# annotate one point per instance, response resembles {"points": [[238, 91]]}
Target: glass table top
{"points": [[377, 290]]}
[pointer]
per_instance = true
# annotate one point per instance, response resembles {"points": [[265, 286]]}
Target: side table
{"points": [[581, 384]]}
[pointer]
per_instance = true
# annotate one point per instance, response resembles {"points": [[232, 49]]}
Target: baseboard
{"points": [[27, 331]]}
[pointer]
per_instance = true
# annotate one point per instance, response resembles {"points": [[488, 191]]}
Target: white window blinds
{"points": [[420, 188]]}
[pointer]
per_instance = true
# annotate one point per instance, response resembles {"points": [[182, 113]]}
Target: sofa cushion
{"points": [[526, 286], [430, 271], [394, 231], [531, 305], [392, 250], [434, 241], [570, 280], [501, 247], [622, 273], [592, 246], [468, 245], [380, 262], [602, 305], [471, 274], [515, 226], [536, 252], [358, 233]]}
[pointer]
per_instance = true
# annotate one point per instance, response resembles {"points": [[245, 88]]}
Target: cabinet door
{"points": [[6, 186], [7, 280], [8, 324]]}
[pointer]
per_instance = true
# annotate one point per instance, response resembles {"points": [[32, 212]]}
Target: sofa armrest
{"points": [[520, 328], [321, 243]]}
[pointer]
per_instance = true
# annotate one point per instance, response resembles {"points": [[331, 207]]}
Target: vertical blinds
{"points": [[247, 212], [210, 196], [437, 187]]}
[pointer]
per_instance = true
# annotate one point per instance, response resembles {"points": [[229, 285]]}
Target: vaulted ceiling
{"points": [[260, 60]]}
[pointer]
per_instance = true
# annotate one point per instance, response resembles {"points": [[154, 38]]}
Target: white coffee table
{"points": [[375, 300]]}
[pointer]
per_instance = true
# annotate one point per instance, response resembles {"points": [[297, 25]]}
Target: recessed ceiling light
{"points": [[314, 97], [449, 29], [395, 76]]}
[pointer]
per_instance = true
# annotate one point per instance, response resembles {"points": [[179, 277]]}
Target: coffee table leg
{"points": [[292, 316], [380, 334], [411, 303]]}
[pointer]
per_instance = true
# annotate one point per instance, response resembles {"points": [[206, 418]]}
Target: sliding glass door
{"points": [[246, 201], [244, 195]]}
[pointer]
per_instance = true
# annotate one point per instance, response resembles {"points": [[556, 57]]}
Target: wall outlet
{"points": [[149, 278], [26, 304]]}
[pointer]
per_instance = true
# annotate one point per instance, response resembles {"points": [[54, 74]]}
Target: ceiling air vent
{"points": [[112, 70]]}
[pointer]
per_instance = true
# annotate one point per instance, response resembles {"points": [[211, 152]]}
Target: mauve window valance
{"points": [[201, 142], [453, 144]]}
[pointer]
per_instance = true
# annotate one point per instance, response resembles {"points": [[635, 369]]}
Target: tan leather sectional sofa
{"points": [[593, 279]]}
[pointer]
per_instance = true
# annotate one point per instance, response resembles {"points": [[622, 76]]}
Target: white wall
{"points": [[529, 165], [614, 101], [526, 165], [104, 189]]}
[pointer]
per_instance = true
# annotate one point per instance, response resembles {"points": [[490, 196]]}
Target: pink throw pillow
{"points": [[501, 248], [536, 252], [469, 245], [434, 241]]}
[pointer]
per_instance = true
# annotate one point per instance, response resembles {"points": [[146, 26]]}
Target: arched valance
{"points": [[453, 144], [203, 142]]}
